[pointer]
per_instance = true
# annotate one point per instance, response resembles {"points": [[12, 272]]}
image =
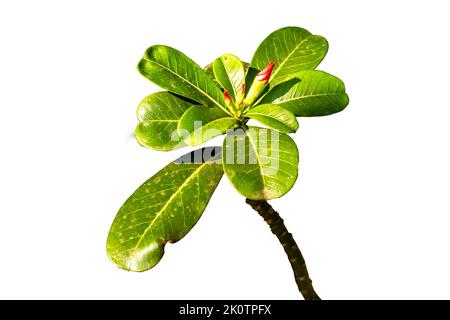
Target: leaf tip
{"points": [[139, 260]]}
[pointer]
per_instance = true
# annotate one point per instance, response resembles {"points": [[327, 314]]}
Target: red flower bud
{"points": [[243, 88], [265, 73], [228, 99]]}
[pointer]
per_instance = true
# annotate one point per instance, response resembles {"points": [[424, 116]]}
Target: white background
{"points": [[370, 209]]}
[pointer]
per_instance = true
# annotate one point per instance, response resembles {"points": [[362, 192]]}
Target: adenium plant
{"points": [[277, 86]]}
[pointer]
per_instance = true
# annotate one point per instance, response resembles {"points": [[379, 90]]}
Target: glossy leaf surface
{"points": [[174, 71], [292, 49], [275, 117], [199, 124], [316, 93], [210, 72], [229, 72], [158, 115], [261, 164], [163, 209]]}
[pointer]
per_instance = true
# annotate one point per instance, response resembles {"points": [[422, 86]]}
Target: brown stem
{"points": [[295, 257]]}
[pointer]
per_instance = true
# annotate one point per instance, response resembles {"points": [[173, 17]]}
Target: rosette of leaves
{"points": [[197, 104]]}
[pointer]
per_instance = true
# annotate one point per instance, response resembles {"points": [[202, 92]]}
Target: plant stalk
{"points": [[293, 253]]}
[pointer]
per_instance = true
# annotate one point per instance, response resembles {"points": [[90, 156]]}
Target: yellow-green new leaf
{"points": [[230, 73], [199, 124], [163, 209], [274, 117], [292, 49], [174, 71], [262, 164], [317, 93], [158, 115]]}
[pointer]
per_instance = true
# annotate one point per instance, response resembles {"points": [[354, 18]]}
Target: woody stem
{"points": [[293, 253]]}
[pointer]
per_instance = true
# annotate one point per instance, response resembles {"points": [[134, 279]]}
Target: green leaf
{"points": [[175, 72], [163, 209], [199, 124], [292, 49], [229, 72], [261, 164], [316, 93], [274, 117], [159, 114], [210, 72]]}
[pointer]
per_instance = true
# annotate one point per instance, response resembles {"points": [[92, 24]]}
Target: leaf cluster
{"points": [[199, 104]]}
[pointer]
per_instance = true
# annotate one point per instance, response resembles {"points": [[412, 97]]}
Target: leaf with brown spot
{"points": [[163, 209]]}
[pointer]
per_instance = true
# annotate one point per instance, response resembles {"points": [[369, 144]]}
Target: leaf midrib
{"points": [[268, 117], [309, 96], [241, 68], [193, 85], [212, 122], [158, 214], [257, 159], [192, 135], [287, 57]]}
